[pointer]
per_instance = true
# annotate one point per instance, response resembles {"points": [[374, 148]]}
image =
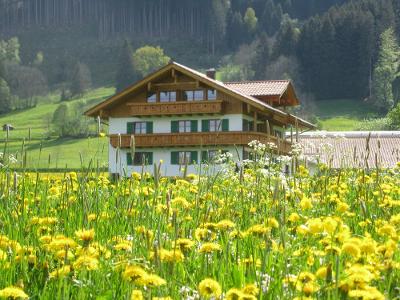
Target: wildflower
{"points": [[209, 288], [170, 255], [13, 292], [209, 248], [251, 289], [203, 234], [305, 203], [86, 262], [234, 294], [184, 244], [60, 273], [351, 249], [133, 273], [137, 295], [225, 224], [151, 280], [85, 235], [294, 217]]}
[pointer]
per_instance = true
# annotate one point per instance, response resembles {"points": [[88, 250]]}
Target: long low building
{"points": [[352, 149]]}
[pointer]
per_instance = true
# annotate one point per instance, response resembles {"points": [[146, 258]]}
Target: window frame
{"points": [[169, 98], [143, 130], [208, 95]]}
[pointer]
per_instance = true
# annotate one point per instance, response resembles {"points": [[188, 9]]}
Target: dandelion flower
{"points": [[13, 292], [137, 295], [133, 273], [209, 248], [85, 235], [209, 288], [86, 262]]}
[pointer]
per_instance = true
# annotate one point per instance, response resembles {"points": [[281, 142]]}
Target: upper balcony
{"points": [[176, 108], [228, 138]]}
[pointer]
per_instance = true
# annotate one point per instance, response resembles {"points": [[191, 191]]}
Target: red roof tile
{"points": [[260, 88]]}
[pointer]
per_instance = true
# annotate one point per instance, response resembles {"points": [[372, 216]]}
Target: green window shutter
{"points": [[149, 127], [225, 125], [129, 161], [174, 126], [204, 156], [149, 158], [193, 126], [245, 126], [205, 125], [130, 127], [174, 158], [193, 157]]}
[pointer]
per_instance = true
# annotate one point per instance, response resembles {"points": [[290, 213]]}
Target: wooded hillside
{"points": [[329, 48]]}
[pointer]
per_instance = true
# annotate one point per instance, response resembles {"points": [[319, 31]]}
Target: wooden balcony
{"points": [[198, 139], [176, 108]]}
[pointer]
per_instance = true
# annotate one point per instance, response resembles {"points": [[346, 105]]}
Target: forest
{"points": [[330, 48]]}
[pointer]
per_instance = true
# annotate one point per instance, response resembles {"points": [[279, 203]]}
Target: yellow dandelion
{"points": [[210, 247], [85, 235], [86, 262], [251, 289], [60, 273], [351, 249], [133, 273], [151, 280], [13, 292], [137, 295], [209, 288]]}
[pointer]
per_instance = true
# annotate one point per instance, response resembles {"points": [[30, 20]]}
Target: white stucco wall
{"points": [[164, 154], [163, 124]]}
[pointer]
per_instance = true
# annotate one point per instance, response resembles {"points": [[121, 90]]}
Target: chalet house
{"points": [[183, 118]]}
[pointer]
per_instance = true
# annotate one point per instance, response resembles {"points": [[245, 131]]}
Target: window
{"points": [[215, 125], [211, 94], [168, 96], [183, 157], [140, 159], [196, 95], [278, 133], [151, 97], [248, 125], [184, 126], [139, 127]]}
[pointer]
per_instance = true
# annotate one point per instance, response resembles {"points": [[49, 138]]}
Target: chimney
{"points": [[211, 73]]}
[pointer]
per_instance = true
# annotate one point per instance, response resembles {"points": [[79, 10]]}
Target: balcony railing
{"points": [[176, 108], [198, 139]]}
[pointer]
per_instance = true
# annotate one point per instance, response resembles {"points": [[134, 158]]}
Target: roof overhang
{"points": [[98, 109]]}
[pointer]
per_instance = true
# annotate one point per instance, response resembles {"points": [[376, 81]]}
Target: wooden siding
{"points": [[198, 139], [175, 108]]}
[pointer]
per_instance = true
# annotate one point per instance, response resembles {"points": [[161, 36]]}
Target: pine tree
{"points": [[261, 57], [386, 71], [81, 80], [5, 97], [126, 73]]}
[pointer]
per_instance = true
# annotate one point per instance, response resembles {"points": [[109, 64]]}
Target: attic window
{"points": [[211, 94], [168, 96], [196, 95], [151, 97]]}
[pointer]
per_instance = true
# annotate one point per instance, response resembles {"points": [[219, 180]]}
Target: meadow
{"points": [[252, 234]]}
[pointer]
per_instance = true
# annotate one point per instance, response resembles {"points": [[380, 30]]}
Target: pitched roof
{"points": [[353, 149], [205, 79], [260, 87]]}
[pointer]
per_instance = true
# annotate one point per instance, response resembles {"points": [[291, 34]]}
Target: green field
{"points": [[343, 114], [42, 148]]}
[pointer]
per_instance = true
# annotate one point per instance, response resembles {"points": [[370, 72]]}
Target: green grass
{"points": [[61, 153], [343, 114], [46, 151]]}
